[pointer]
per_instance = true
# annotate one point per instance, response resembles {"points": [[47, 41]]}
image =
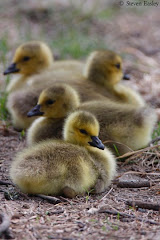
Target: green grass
{"points": [[116, 150], [3, 95], [76, 44], [109, 223], [3, 49], [107, 13], [156, 132], [3, 109]]}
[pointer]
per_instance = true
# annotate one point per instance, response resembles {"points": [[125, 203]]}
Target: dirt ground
{"points": [[106, 216]]}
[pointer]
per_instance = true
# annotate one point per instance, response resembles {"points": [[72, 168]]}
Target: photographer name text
{"points": [[139, 4]]}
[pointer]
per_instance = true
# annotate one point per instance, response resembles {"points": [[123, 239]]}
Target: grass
{"points": [[88, 194], [156, 132], [116, 150], [3, 49], [76, 44], [3, 109], [109, 223], [3, 95]]}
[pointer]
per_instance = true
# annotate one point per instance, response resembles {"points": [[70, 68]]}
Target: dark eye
{"points": [[50, 101], [118, 65], [83, 131], [25, 59]]}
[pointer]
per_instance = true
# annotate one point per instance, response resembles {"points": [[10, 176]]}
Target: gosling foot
{"points": [[68, 192]]}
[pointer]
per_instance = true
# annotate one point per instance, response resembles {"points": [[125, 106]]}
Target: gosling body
{"points": [[126, 127]]}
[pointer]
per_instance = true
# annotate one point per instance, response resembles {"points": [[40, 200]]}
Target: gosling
{"points": [[123, 127], [68, 167], [54, 104], [35, 58]]}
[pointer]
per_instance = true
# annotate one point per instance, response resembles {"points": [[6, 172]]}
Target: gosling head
{"points": [[105, 68], [82, 128], [56, 102], [30, 58]]}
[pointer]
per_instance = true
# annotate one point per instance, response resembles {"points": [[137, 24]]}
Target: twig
{"points": [[133, 183], [50, 199], [127, 215], [140, 173], [4, 226], [56, 212], [106, 194], [6, 183], [145, 205], [138, 151], [115, 142], [64, 199], [61, 238]]}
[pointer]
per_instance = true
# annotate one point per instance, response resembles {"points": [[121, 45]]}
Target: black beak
{"points": [[126, 76], [11, 69], [96, 142], [35, 111]]}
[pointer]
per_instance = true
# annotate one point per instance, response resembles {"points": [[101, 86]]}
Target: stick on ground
{"points": [[145, 205], [6, 183], [50, 199], [133, 184]]}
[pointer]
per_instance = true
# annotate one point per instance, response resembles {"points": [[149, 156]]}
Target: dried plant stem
{"points": [[138, 151]]}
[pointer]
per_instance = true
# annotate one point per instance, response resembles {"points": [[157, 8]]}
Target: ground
{"points": [[73, 31]]}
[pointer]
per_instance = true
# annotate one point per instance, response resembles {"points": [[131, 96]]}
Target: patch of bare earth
{"points": [[108, 215]]}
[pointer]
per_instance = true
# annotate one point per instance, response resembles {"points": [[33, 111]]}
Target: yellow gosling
{"points": [[33, 58], [104, 69], [124, 126], [68, 167], [30, 58], [54, 104]]}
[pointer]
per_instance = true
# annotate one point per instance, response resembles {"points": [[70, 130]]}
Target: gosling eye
{"points": [[50, 101], [83, 131], [26, 58], [118, 65]]}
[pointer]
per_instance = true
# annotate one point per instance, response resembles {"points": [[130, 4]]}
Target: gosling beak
{"points": [[11, 69], [126, 76], [96, 142], [35, 111]]}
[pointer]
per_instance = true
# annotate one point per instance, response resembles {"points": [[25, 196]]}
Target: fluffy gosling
{"points": [[69, 167], [123, 127], [54, 104], [35, 58]]}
